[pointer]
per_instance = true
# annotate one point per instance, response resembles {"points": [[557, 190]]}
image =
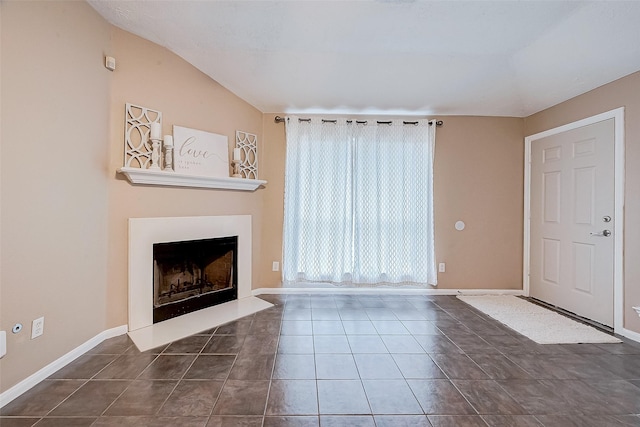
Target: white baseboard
{"points": [[381, 291], [628, 334], [59, 363]]}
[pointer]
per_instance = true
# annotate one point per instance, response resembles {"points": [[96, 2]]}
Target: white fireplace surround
{"points": [[143, 233]]}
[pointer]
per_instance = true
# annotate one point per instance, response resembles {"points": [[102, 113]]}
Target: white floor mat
{"points": [[535, 322]]}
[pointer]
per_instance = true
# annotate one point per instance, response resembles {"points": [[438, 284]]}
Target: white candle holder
{"points": [[236, 168], [155, 154], [168, 158]]}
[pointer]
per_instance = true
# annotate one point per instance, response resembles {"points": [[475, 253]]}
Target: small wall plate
{"points": [[3, 343]]}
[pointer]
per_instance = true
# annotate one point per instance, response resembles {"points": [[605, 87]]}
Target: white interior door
{"points": [[572, 221]]}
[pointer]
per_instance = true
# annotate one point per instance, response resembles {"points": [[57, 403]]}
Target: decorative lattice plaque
{"points": [[248, 145], [137, 147]]}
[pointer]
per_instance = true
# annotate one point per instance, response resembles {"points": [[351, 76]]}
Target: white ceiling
{"points": [[498, 58]]}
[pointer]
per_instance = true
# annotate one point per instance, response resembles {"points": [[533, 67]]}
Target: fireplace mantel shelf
{"points": [[151, 177]]}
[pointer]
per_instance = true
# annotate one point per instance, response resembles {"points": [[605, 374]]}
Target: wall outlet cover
{"points": [[37, 327]]}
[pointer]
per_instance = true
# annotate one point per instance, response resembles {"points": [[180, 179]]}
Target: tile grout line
{"points": [[86, 382], [224, 383], [275, 357], [185, 371]]}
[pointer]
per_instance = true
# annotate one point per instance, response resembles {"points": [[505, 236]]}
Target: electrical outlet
{"points": [[441, 267], [275, 266], [37, 327]]}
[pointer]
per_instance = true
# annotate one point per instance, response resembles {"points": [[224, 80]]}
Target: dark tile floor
{"points": [[344, 360]]}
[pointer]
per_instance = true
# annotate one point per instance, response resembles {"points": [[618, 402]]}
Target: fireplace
{"points": [[194, 274], [145, 234]]}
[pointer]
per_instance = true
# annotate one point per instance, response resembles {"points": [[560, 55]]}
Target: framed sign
{"points": [[197, 152]]}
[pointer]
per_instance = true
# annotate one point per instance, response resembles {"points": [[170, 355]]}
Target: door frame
{"points": [[618, 245]]}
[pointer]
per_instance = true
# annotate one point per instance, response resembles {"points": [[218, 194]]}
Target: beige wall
{"points": [[151, 76], [478, 178], [273, 156], [64, 209], [55, 134], [624, 92]]}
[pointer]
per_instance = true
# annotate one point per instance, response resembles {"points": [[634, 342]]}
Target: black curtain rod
{"points": [[279, 119]]}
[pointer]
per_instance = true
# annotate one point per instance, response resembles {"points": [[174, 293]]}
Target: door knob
{"points": [[603, 233]]}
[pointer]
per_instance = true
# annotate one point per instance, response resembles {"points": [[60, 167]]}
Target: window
{"points": [[359, 203]]}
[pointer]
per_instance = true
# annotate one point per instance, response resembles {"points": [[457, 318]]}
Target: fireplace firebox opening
{"points": [[192, 275]]}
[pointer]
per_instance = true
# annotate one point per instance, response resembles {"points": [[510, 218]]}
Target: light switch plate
{"points": [[110, 63], [3, 343]]}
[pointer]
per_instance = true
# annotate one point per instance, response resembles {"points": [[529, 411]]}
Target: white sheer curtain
{"points": [[359, 203]]}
